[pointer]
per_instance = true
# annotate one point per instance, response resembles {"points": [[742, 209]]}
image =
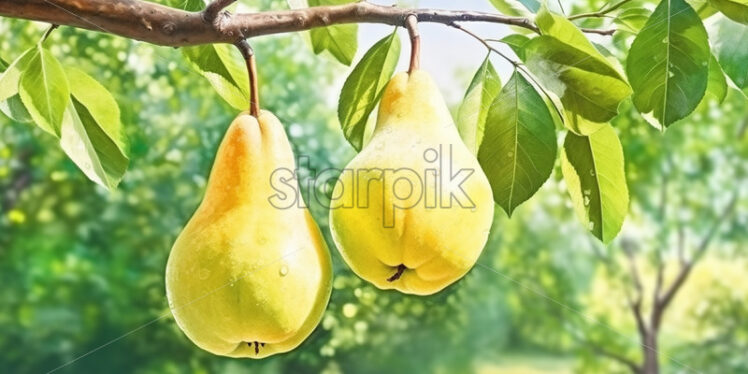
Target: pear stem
{"points": [[254, 92], [411, 23], [400, 269]]}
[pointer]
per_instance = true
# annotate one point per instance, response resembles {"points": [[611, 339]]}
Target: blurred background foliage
{"points": [[82, 268]]}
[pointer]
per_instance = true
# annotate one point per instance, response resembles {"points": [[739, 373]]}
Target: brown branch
{"points": [[635, 303], [601, 12], [605, 32], [486, 44], [659, 278], [598, 348], [210, 13], [663, 302], [158, 24], [162, 25]]}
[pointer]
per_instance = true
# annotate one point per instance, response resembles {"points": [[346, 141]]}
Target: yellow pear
{"points": [[244, 278], [412, 211]]}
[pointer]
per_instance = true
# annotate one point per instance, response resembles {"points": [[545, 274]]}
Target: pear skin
{"points": [[244, 278], [396, 218]]}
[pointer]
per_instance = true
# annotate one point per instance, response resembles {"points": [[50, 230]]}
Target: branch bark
{"points": [[161, 25], [210, 13], [634, 367], [635, 303]]}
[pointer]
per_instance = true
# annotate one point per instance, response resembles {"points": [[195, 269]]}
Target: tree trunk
{"points": [[651, 358]]}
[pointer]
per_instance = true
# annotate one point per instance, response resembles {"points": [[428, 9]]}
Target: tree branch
{"points": [[600, 12], [604, 32], [161, 25], [210, 13], [635, 303], [598, 348], [667, 297]]}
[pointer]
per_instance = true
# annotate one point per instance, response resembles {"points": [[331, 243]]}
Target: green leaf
{"points": [[11, 74], [717, 84], [736, 10], [563, 30], [13, 108], [531, 5], [731, 48], [582, 126], [587, 84], [92, 134], [515, 8], [10, 101], [568, 65], [44, 90], [89, 147], [191, 5], [99, 105], [668, 64], [364, 86], [593, 169], [519, 143], [632, 19], [340, 40], [703, 8], [224, 69], [552, 101], [517, 43], [471, 117]]}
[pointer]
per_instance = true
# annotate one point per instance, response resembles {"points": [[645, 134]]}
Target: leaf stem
{"points": [[517, 65], [49, 31], [485, 43], [254, 92]]}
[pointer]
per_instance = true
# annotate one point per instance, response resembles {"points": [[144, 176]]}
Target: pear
{"points": [[412, 211], [244, 278]]}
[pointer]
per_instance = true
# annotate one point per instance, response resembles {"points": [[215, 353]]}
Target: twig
{"points": [[635, 304], [598, 348], [561, 6], [605, 32], [485, 43], [603, 11], [681, 244], [663, 301], [210, 13], [617, 357]]}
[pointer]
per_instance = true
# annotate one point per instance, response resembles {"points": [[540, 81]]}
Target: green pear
{"points": [[244, 278], [399, 217]]}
